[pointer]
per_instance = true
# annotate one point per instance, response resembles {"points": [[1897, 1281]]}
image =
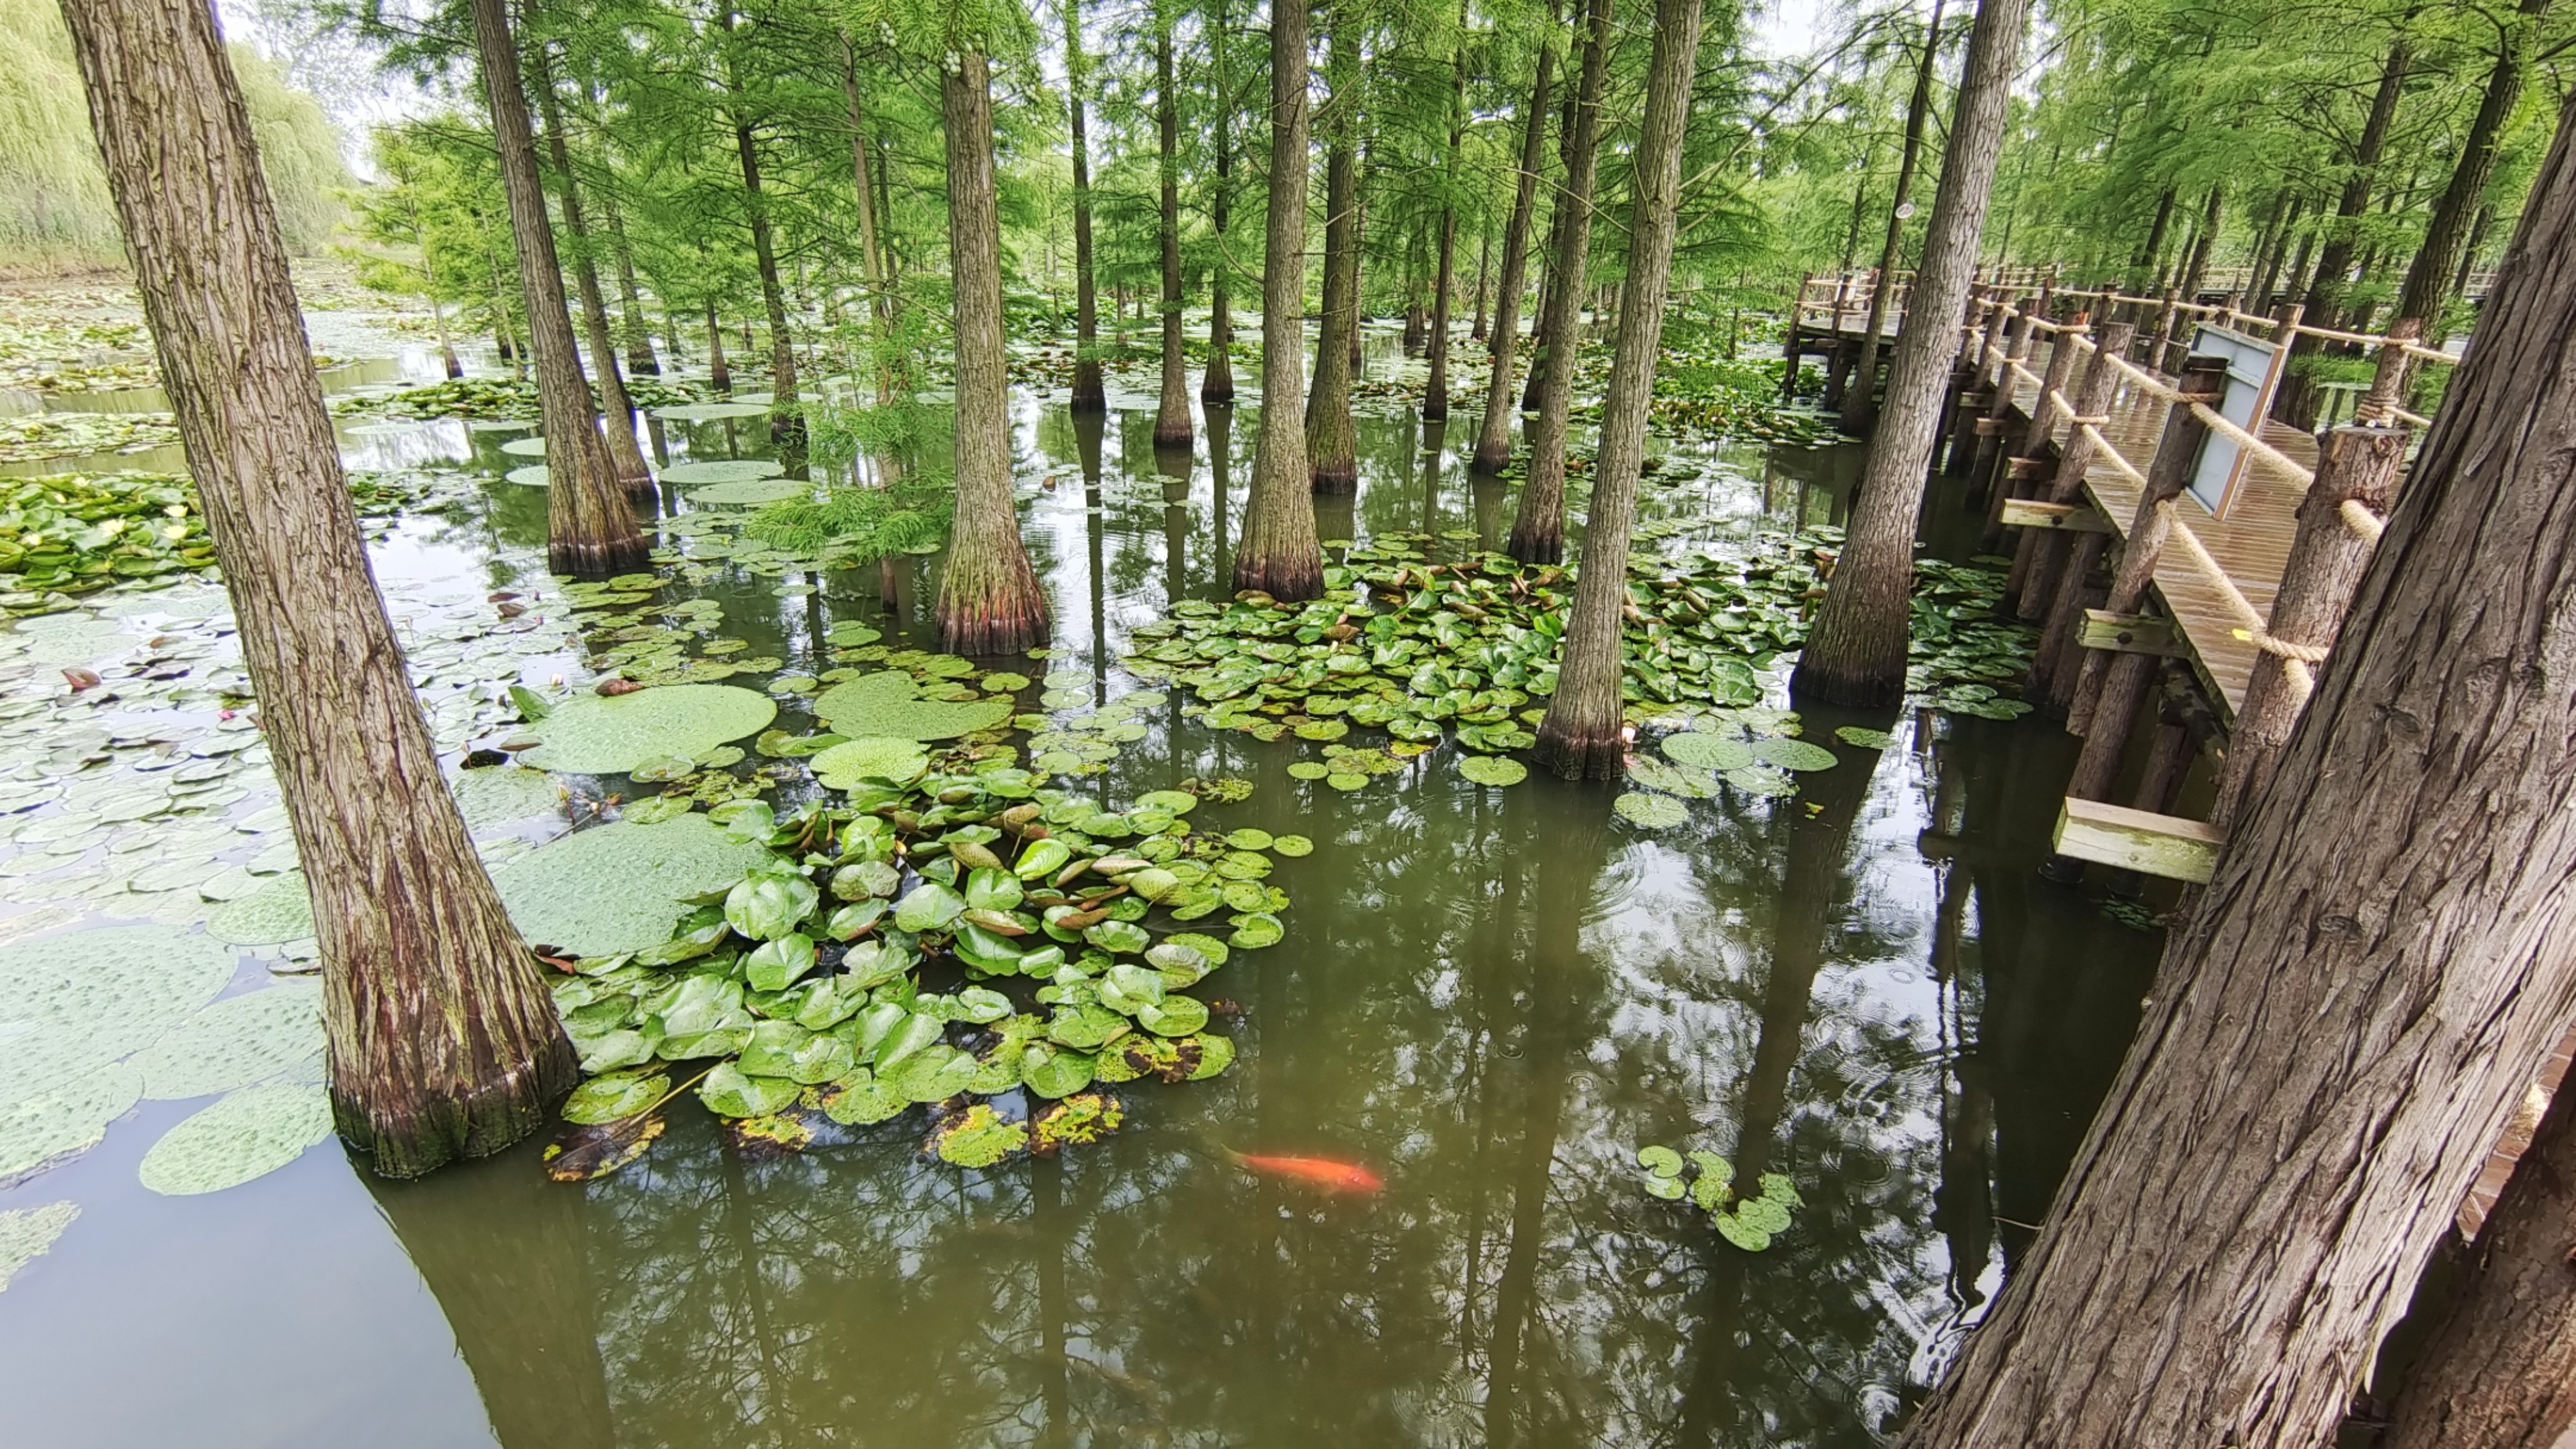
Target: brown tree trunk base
{"points": [[1435, 405], [1289, 580], [598, 560], [1583, 755], [1169, 434], [1342, 475], [1216, 389], [471, 1123], [1537, 547], [1088, 395], [1489, 462], [1851, 683], [995, 626]]}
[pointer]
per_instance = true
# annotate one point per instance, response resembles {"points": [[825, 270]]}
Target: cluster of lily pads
{"points": [[502, 397], [50, 349], [42, 437], [1465, 649], [1749, 1223]]}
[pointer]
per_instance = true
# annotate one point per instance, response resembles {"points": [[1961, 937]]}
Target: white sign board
{"points": [[2253, 373]]}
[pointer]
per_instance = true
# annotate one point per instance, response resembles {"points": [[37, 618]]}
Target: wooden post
{"points": [[2387, 391], [2317, 583], [2109, 687], [2169, 757], [2048, 550], [1989, 440], [1963, 439], [2021, 467], [1789, 352]]}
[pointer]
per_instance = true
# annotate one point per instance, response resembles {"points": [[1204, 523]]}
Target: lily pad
{"points": [[721, 470], [66, 1116], [978, 1137], [845, 765], [616, 1096], [708, 412], [611, 734], [1654, 812], [1790, 754], [249, 1134], [532, 476], [751, 492], [525, 447], [27, 1233], [259, 1036], [887, 705], [618, 887], [1492, 770], [504, 794], [1708, 752], [1863, 738], [75, 1001], [1293, 845]]}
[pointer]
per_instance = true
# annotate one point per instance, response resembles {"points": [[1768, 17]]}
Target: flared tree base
{"points": [[1339, 476], [1009, 625], [1852, 684], [1088, 395], [1488, 462], [1435, 406], [1289, 580], [407, 1133], [1217, 396], [598, 558], [1168, 434], [1532, 547], [1583, 752]]}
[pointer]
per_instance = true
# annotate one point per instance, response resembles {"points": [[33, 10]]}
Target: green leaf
{"points": [[1052, 1072], [615, 1096], [993, 890], [1654, 812], [1867, 739], [1794, 755], [1173, 1016], [1043, 858], [773, 965], [1256, 930], [1661, 1161], [769, 904], [729, 1092], [929, 906], [248, 1134], [1707, 752], [595, 734]]}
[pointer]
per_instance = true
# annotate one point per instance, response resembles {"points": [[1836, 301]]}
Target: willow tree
{"points": [[1088, 394], [989, 599], [1172, 418], [1855, 653], [2255, 1201], [1494, 429], [590, 530], [1216, 384], [1279, 554], [442, 1037], [1538, 527], [1581, 735], [1332, 443]]}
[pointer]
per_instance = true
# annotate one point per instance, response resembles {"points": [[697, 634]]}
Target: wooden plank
{"points": [[2130, 634], [2066, 517], [2168, 846]]}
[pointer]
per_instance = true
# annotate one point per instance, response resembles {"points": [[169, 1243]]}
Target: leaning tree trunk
{"points": [[2428, 279], [1172, 418], [1580, 736], [2498, 1366], [1088, 394], [2374, 977], [1855, 654], [443, 1040], [1538, 527], [1332, 444], [1860, 400], [590, 529], [1279, 554], [1494, 430], [1216, 384], [1435, 394], [989, 599], [617, 414]]}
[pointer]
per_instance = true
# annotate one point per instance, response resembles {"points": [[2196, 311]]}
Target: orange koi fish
{"points": [[1320, 1173]]}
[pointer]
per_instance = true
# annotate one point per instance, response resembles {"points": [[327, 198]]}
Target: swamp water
{"points": [[1490, 998]]}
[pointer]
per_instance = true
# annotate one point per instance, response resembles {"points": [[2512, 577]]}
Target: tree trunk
{"points": [[1172, 420], [785, 421], [2256, 1199], [989, 599], [2139, 267], [1435, 395], [1538, 527], [871, 256], [1860, 403], [640, 360], [2198, 266], [1484, 260], [442, 1037], [1088, 395], [590, 529], [1855, 654], [1216, 384], [1279, 555], [2498, 1367], [2428, 279], [1494, 429], [1581, 735], [719, 374], [2296, 403], [1332, 445], [617, 414]]}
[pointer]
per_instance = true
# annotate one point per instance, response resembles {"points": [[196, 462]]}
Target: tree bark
{"points": [[1332, 444], [442, 1037], [2296, 403], [871, 256], [640, 360], [2498, 1368], [1538, 525], [1435, 394], [785, 420], [1279, 554], [1855, 654], [2374, 977], [719, 373], [1172, 420], [1216, 383], [590, 529], [1494, 430], [989, 599], [617, 414], [2428, 278], [1581, 735], [1088, 394], [1860, 402]]}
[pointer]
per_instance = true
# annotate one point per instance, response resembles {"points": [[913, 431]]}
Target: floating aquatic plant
{"points": [[27, 1234], [248, 1134], [609, 735], [1749, 1223]]}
